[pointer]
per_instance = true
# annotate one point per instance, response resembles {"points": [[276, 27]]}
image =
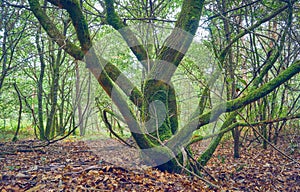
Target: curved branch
{"points": [[108, 125], [183, 135]]}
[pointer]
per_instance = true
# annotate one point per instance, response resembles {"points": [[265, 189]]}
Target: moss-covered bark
{"points": [[53, 32], [164, 123], [106, 82], [133, 43], [183, 136], [157, 86], [50, 126], [40, 86], [79, 53], [177, 44], [78, 20]]}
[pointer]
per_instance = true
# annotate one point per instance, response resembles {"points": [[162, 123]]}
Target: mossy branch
{"points": [[183, 135], [79, 53], [197, 138], [53, 32], [133, 43], [180, 39], [78, 21]]}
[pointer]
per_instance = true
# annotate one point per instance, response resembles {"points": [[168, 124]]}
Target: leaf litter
{"points": [[74, 166]]}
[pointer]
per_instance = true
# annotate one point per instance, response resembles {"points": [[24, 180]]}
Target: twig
{"points": [[86, 169], [202, 168], [108, 125], [273, 146]]}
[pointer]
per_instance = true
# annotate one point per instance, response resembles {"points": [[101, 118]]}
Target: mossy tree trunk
{"points": [[160, 140]]}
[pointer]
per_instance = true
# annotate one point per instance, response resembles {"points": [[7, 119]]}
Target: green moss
{"points": [[190, 15], [207, 154], [79, 23], [53, 32], [156, 90]]}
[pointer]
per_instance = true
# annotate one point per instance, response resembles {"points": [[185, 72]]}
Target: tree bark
{"points": [[15, 138], [166, 149]]}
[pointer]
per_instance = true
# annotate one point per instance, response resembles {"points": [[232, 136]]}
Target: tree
{"points": [[11, 32], [161, 140], [13, 40], [248, 52]]}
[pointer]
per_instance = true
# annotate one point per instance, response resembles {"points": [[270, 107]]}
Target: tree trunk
{"points": [[54, 94], [40, 48], [160, 140], [78, 100], [15, 138], [160, 110]]}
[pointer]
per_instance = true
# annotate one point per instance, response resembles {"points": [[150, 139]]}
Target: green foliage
{"points": [[7, 132], [250, 48]]}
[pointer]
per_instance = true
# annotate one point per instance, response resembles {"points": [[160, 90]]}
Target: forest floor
{"points": [[71, 165]]}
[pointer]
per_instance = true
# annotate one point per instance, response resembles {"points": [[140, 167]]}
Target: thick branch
{"points": [[178, 41], [107, 83], [78, 21], [113, 72], [53, 32], [183, 135], [115, 21], [243, 124]]}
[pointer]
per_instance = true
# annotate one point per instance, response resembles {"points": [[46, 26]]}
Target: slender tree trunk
{"points": [[54, 94], [263, 117], [40, 48], [78, 100], [15, 138], [4, 59]]}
